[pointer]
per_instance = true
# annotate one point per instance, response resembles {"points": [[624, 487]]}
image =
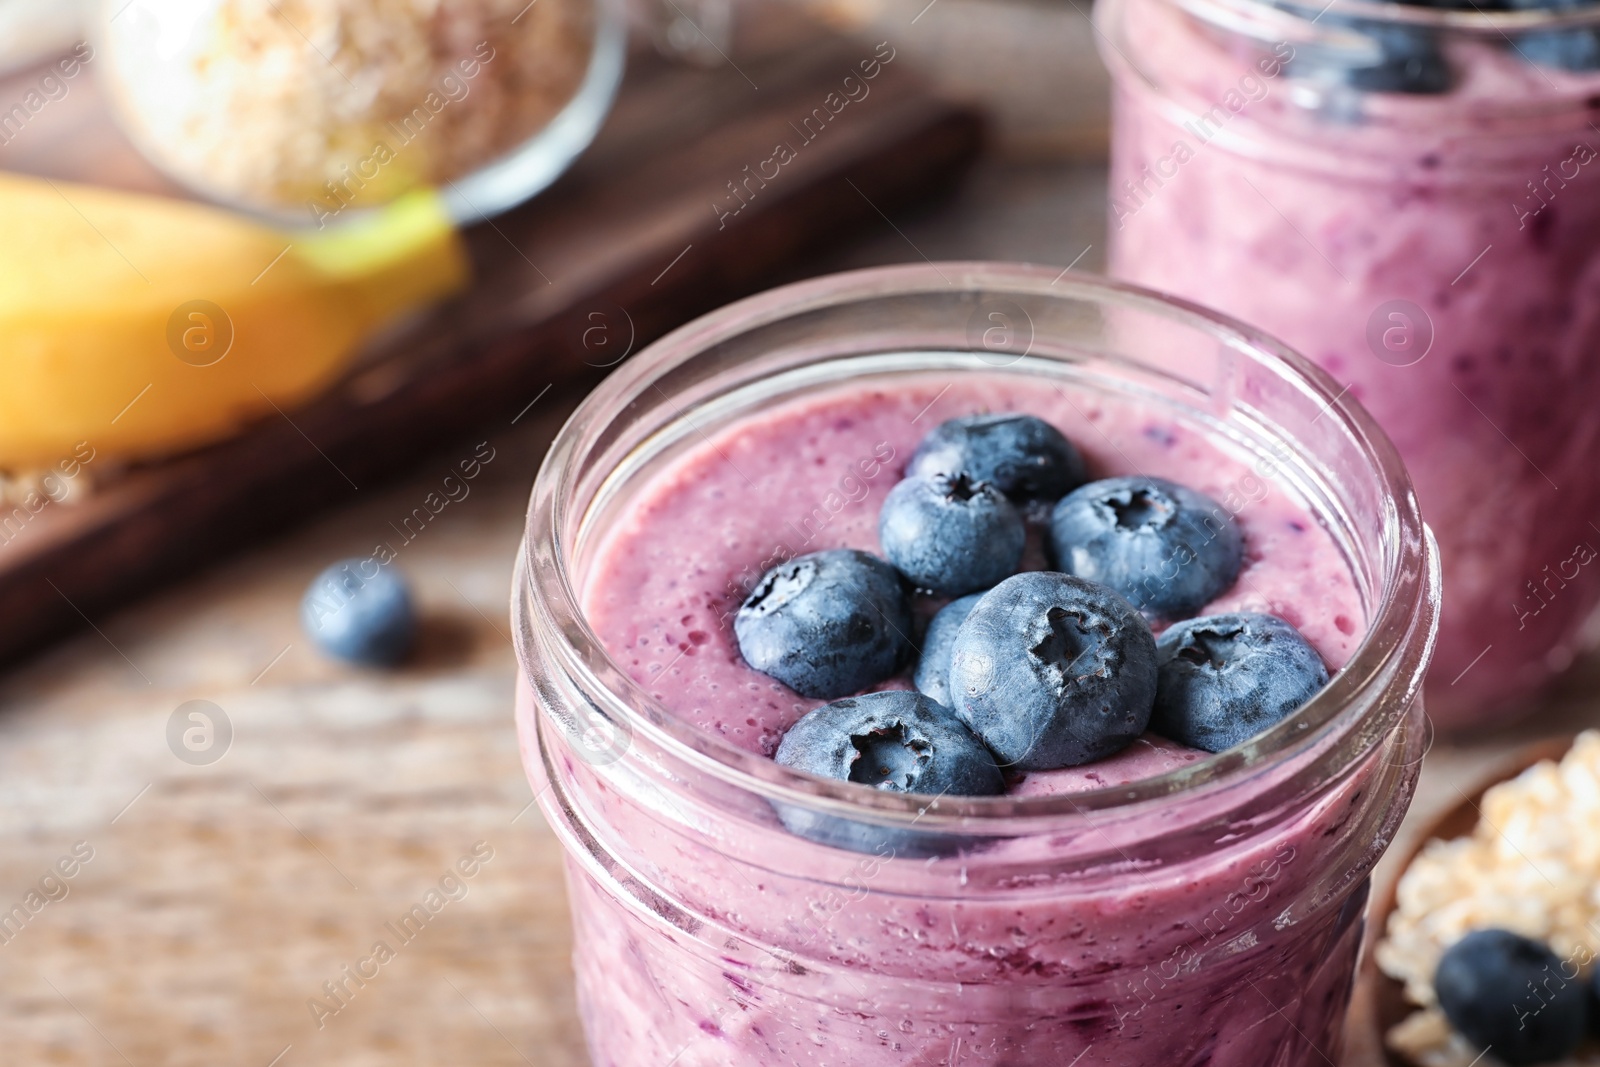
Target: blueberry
{"points": [[1023, 456], [933, 666], [1574, 49], [826, 625], [1409, 57], [1053, 671], [951, 534], [897, 741], [1223, 679], [1511, 994], [1412, 62], [360, 611], [1167, 548]]}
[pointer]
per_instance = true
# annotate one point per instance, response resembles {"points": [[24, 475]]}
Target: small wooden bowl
{"points": [[1380, 1000]]}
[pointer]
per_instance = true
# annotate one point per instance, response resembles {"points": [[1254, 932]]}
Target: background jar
{"points": [[1406, 195], [1218, 907]]}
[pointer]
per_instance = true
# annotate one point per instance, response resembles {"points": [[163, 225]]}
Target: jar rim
{"points": [[1382, 678], [1308, 13]]}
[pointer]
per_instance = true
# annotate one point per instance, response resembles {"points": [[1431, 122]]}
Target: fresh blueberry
{"points": [[1409, 59], [1053, 671], [360, 611], [951, 534], [826, 625], [897, 741], [1223, 679], [1574, 49], [1412, 62], [933, 666], [1023, 456], [1511, 994], [1167, 548]]}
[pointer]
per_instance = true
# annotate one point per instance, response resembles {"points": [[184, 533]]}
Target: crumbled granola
{"points": [[1531, 865]]}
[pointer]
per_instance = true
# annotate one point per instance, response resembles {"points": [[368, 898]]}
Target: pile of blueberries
{"points": [[1516, 998], [1023, 670], [1414, 62]]}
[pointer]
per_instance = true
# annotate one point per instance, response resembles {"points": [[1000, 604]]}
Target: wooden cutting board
{"points": [[633, 234]]}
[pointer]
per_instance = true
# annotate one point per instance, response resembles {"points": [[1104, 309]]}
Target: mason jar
{"points": [[1407, 195], [1209, 914]]}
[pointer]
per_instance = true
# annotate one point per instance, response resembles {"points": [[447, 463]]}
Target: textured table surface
{"points": [[220, 898]]}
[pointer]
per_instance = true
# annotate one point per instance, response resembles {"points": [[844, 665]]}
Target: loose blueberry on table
{"points": [[360, 611], [1031, 671]]}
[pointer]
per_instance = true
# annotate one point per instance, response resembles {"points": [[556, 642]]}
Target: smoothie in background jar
{"points": [[1411, 197], [1159, 907]]}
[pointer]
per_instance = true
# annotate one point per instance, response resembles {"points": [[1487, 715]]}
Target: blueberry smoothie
{"points": [[677, 565], [915, 708], [1409, 196], [815, 476]]}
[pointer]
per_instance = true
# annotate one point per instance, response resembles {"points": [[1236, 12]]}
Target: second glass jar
{"points": [[1408, 196]]}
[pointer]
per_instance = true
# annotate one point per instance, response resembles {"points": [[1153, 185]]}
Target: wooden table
{"points": [[221, 897]]}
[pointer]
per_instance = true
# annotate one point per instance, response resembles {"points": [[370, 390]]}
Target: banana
{"points": [[145, 326]]}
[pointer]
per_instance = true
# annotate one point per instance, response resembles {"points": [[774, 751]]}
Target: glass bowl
{"points": [[307, 114]]}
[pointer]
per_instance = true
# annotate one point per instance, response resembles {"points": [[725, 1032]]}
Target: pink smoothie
{"points": [[812, 476], [1480, 210], [1237, 953]]}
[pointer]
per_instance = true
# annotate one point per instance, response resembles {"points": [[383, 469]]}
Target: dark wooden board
{"points": [[631, 232]]}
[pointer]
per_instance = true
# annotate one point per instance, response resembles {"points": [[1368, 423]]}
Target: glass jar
{"points": [[1214, 911], [306, 114], [1405, 195]]}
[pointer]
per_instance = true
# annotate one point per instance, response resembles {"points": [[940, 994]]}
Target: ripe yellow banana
{"points": [[143, 325]]}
